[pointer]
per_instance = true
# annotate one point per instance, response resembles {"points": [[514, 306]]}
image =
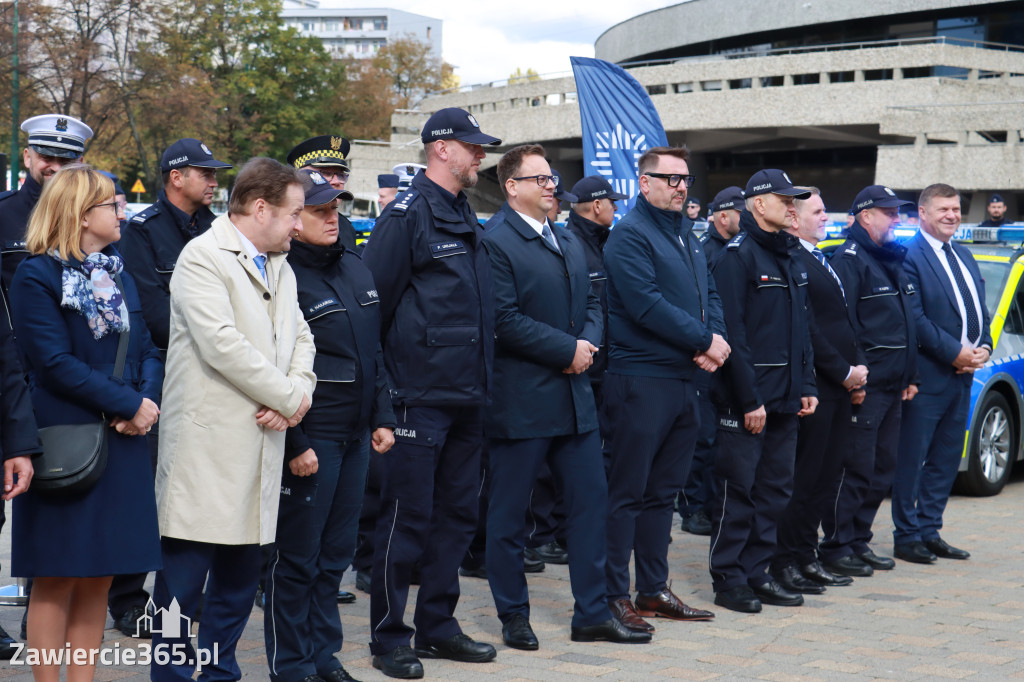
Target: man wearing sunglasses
{"points": [[328, 154], [664, 322]]}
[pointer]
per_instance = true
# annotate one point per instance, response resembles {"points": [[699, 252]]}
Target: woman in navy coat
{"points": [[68, 313]]}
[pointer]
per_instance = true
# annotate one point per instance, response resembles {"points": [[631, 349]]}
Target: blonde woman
{"points": [[69, 309]]}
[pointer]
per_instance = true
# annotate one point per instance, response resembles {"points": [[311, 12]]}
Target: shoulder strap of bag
{"points": [[122, 342]]}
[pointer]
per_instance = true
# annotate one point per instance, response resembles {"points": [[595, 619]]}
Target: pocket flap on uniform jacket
{"points": [[333, 369], [453, 335], [165, 267]]}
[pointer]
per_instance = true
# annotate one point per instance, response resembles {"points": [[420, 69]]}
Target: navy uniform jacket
{"points": [[437, 312], [713, 243], [339, 301], [764, 297], [662, 303], [150, 247], [832, 334], [879, 295], [18, 433], [14, 209], [593, 237], [937, 318], [544, 306]]}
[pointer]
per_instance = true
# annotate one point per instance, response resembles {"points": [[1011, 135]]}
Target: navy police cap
{"points": [[594, 187], [189, 151], [317, 190], [773, 181], [693, 201], [995, 199], [730, 198], [385, 180], [117, 182], [562, 194], [877, 196], [322, 150], [455, 124]]}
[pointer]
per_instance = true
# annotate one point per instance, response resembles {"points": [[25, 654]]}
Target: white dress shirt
{"points": [[940, 254]]}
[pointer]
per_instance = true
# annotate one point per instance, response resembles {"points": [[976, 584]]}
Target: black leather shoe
{"points": [[338, 675], [879, 563], [460, 647], [312, 678], [773, 593], [551, 553], [400, 662], [914, 552], [851, 566], [740, 599], [791, 579], [609, 631], [820, 575], [345, 597], [698, 523], [518, 634], [7, 646], [532, 564], [132, 624], [940, 547], [363, 581], [478, 572]]}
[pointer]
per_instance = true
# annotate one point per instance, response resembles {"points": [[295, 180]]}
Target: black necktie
{"points": [[973, 326]]}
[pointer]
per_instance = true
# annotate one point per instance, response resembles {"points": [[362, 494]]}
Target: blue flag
{"points": [[619, 123]]}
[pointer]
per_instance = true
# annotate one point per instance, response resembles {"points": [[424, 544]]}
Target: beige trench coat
{"points": [[235, 345]]}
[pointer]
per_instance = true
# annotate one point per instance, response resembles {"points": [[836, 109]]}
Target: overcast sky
{"points": [[487, 40]]}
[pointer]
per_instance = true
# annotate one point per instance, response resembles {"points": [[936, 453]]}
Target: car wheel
{"points": [[993, 447]]}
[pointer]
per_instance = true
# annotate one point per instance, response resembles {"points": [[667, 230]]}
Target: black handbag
{"points": [[75, 455]]}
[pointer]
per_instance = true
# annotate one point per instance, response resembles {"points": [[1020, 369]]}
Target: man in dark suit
{"points": [[952, 325], [542, 405], [823, 437]]}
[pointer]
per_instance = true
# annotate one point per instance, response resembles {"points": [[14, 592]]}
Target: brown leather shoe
{"points": [[668, 605], [624, 610]]}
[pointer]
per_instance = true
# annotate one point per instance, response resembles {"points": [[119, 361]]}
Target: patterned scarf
{"points": [[94, 294]]}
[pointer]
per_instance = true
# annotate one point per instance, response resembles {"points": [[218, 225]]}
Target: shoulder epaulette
{"points": [[703, 238], [403, 201], [850, 249], [7, 194], [735, 242], [145, 214]]}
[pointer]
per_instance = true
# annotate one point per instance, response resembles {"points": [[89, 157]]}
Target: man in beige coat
{"points": [[239, 372]]}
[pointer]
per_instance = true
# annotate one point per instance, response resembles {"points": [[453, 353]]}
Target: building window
{"points": [[380, 24]]}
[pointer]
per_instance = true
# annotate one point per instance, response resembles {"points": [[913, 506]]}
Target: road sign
{"points": [[137, 187]]}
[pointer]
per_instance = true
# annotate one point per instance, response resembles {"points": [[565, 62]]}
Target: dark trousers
{"points": [[931, 445], [127, 591], [753, 482], [369, 512], [822, 441], [653, 430], [867, 475], [545, 516], [316, 538], [428, 514], [230, 573], [698, 491], [576, 462]]}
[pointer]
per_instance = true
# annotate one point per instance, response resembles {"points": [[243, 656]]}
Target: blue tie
{"points": [[261, 265], [549, 237], [824, 261]]}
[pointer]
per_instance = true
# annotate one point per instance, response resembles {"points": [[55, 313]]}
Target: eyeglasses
{"points": [[113, 206], [329, 175], [542, 180], [673, 179]]}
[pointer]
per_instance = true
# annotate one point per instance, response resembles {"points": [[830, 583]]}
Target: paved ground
{"points": [[950, 620]]}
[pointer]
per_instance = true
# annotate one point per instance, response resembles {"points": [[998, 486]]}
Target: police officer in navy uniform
{"points": [[665, 321], [542, 405], [694, 501], [995, 212], [437, 310], [870, 265], [326, 455], [693, 208], [760, 393], [329, 155], [387, 189], [54, 140], [824, 437]]}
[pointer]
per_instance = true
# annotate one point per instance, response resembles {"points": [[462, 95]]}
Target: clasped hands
{"points": [[141, 423]]}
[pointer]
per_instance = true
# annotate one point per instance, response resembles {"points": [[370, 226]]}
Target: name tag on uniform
{"points": [[328, 305], [769, 280], [448, 248], [599, 275]]}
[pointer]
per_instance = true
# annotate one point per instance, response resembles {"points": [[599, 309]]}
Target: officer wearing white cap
{"points": [[54, 140], [437, 312], [760, 393], [878, 293], [328, 154]]}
